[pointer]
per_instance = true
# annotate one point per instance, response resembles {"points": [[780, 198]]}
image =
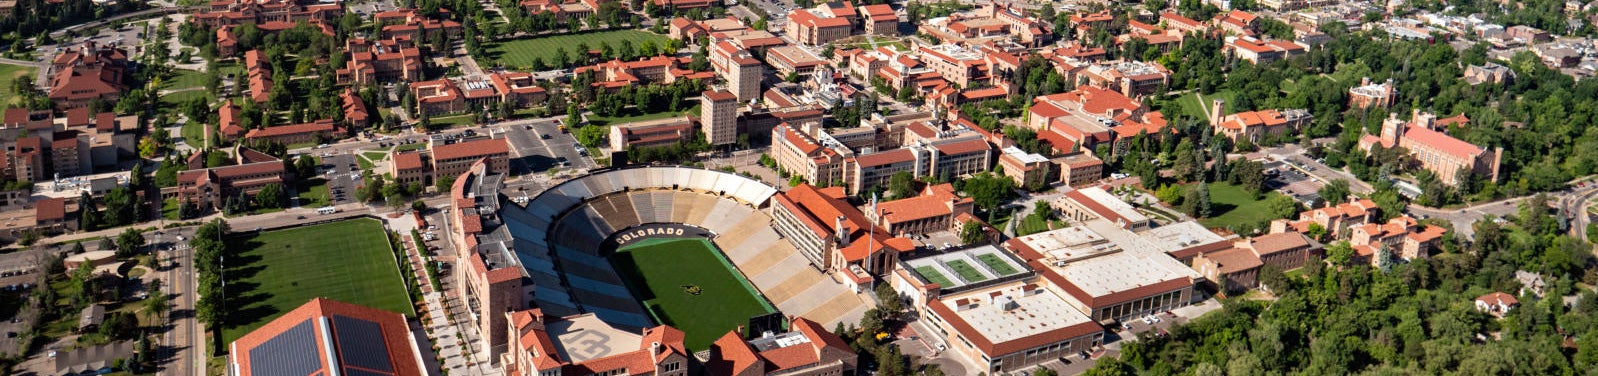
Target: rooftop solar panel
{"points": [[358, 372], [291, 353], [361, 344]]}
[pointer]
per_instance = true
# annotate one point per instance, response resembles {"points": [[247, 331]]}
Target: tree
{"points": [[444, 184], [901, 185], [1334, 192], [305, 167], [129, 242], [1339, 253], [271, 196], [972, 233], [891, 303], [1197, 201]]}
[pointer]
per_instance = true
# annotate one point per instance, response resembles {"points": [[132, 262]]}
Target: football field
{"points": [[688, 284], [274, 272]]}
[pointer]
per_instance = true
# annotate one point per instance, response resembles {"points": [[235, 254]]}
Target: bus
{"points": [[326, 210]]}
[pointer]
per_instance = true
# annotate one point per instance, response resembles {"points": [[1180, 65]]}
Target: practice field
{"points": [[277, 271], [520, 53], [689, 285]]}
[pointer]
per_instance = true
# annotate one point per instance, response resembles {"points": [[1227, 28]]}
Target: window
{"points": [[669, 367]]}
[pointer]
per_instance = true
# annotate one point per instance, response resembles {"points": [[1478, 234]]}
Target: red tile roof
{"points": [[477, 148], [392, 326], [1442, 142]]}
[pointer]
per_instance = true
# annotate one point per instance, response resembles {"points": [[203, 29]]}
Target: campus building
{"points": [[661, 133], [88, 72], [329, 337], [1090, 116], [805, 27], [455, 159], [991, 308], [307, 133], [718, 118], [204, 188], [834, 236], [381, 61], [1255, 126], [932, 211], [1369, 94], [585, 345], [1443, 155], [806, 349], [491, 279]]}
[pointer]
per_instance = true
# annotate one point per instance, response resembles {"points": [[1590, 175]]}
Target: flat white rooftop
{"points": [[1112, 203], [1138, 263], [583, 337], [1013, 313], [1024, 157], [1179, 235], [1067, 244]]}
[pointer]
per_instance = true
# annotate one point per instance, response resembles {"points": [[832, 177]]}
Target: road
{"points": [[185, 340]]}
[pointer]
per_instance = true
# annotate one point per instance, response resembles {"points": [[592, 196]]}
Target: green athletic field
{"points": [[277, 271], [664, 274]]}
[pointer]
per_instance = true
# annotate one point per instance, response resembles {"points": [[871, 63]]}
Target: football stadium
{"points": [[644, 262]]}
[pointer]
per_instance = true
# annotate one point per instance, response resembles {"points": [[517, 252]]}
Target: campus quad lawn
{"points": [[183, 79], [9, 74], [659, 272], [274, 272], [1230, 204], [520, 52]]}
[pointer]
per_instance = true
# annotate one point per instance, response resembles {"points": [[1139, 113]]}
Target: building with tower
{"points": [[718, 117], [1443, 155]]}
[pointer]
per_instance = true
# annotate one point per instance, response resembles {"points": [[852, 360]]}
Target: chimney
{"points": [[842, 231]]}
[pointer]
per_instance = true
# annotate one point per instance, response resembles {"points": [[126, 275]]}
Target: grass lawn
{"points": [[409, 147], [9, 74], [452, 121], [374, 155], [520, 53], [274, 272], [631, 115], [1031, 225], [966, 271], [661, 274], [169, 209], [996, 264], [313, 192], [193, 133], [178, 98], [1233, 205], [364, 163], [932, 275], [183, 79], [1190, 103]]}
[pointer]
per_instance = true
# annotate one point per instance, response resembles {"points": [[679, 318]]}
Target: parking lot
{"points": [[340, 172], [368, 8], [539, 146], [1292, 182]]}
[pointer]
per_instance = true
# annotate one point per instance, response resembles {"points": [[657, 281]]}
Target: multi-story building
{"points": [[666, 132], [798, 154], [1255, 126], [205, 188], [1079, 168], [86, 73], [1262, 51], [879, 19], [793, 60], [835, 236], [957, 64], [806, 349], [260, 75], [326, 336], [1368, 94], [355, 112], [1489, 73], [455, 159], [1130, 78], [739, 69], [996, 312], [410, 167], [1090, 116], [719, 117], [540, 345], [415, 26], [381, 61], [223, 13], [492, 283], [931, 211], [441, 96], [518, 89], [612, 76], [1443, 155], [805, 27], [1334, 219], [308, 133], [1111, 273], [1027, 169]]}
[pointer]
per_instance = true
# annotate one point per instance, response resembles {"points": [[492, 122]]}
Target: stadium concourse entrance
{"points": [[684, 280]]}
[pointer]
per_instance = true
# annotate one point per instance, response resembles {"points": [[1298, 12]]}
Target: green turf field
{"points": [[966, 271], [666, 274], [997, 264], [932, 275], [520, 52], [277, 271]]}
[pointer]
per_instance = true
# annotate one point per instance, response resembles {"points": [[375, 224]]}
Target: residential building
{"points": [[1489, 73], [410, 167], [222, 13], [355, 113], [1334, 219], [719, 117], [793, 60], [1443, 155], [1257, 126], [259, 75], [1231, 270], [441, 96], [1497, 303], [798, 154], [1090, 116], [414, 26], [806, 349], [1237, 22], [540, 345], [739, 69], [519, 89], [329, 337]]}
